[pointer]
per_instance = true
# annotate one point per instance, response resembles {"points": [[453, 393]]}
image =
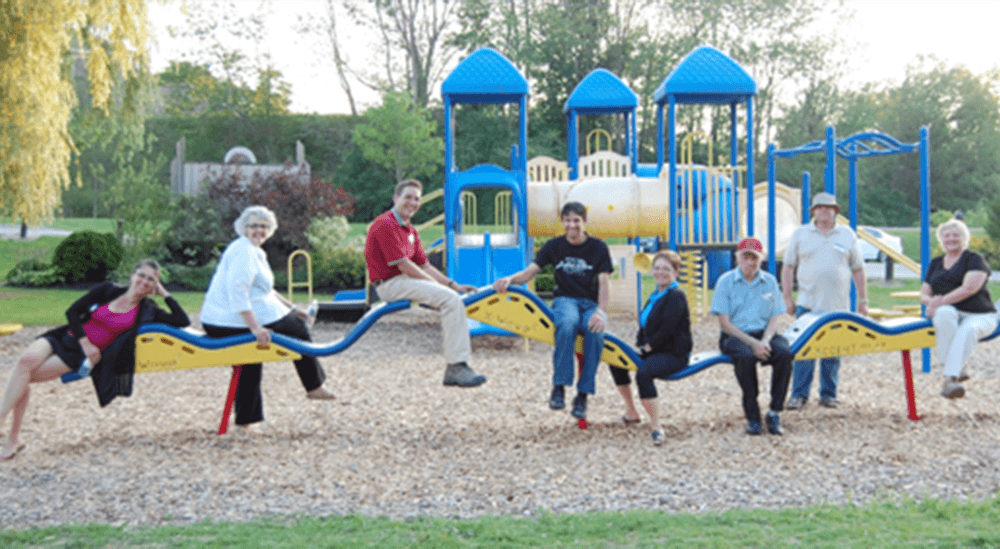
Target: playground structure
{"points": [[700, 210], [706, 209]]}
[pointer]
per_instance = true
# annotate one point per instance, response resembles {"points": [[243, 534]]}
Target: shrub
{"points": [[195, 278], [294, 200], [195, 234], [339, 269], [87, 255], [338, 263], [987, 247], [34, 272]]}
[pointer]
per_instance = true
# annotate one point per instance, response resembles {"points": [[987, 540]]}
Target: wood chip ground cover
{"points": [[397, 443]]}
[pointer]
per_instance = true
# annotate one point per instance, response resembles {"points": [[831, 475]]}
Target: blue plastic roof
{"points": [[485, 76], [706, 76], [601, 92]]}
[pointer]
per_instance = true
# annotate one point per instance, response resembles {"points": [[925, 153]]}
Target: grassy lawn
{"points": [[101, 225], [931, 523]]}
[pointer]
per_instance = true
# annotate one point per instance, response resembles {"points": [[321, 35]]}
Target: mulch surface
{"points": [[397, 443]]}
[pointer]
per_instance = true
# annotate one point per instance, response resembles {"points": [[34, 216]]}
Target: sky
{"points": [[882, 38]]}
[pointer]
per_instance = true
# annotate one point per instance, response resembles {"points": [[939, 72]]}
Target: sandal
{"points": [[625, 421], [13, 452]]}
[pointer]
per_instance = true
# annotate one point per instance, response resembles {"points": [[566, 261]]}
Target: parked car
{"points": [[871, 253]]}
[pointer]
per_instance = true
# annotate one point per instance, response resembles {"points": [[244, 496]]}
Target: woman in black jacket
{"points": [[664, 342], [102, 329]]}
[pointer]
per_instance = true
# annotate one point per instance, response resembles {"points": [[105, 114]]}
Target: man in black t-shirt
{"points": [[582, 266]]}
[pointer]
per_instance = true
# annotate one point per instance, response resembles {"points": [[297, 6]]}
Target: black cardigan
{"points": [[112, 376], [668, 327]]}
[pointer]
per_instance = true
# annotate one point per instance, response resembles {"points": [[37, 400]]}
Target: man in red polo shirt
{"points": [[398, 269]]}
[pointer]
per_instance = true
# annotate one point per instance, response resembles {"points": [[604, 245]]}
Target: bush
{"points": [[987, 247], [294, 201], [339, 269], [187, 277], [338, 263], [34, 272], [195, 234], [87, 255]]}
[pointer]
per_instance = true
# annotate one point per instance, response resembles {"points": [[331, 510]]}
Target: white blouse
{"points": [[243, 281]]}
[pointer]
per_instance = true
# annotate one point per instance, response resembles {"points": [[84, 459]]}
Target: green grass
{"points": [[101, 225], [14, 251], [47, 307], [884, 523]]}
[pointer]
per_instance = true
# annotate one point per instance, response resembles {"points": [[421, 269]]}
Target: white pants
{"points": [[457, 347], [957, 333]]}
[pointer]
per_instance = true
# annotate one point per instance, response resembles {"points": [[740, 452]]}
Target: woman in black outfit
{"points": [[102, 328], [664, 341]]}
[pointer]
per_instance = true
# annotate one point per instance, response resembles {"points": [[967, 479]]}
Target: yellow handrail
{"points": [[596, 135], [309, 274], [501, 210]]}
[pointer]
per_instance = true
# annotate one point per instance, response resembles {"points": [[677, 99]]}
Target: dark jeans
{"points": [[249, 404], [745, 367], [656, 366]]}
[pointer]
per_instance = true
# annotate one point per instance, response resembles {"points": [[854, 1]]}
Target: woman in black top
{"points": [[954, 291], [664, 341], [102, 328]]}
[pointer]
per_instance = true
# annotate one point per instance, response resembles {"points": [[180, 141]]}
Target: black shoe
{"points": [[558, 399], [753, 428], [773, 423], [580, 406]]}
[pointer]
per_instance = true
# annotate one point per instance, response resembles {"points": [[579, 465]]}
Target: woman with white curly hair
{"points": [[241, 299], [954, 291]]}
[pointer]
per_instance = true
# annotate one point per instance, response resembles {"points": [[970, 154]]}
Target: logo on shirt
{"points": [[574, 266], [410, 238]]}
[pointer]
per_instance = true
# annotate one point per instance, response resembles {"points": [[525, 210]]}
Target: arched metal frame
{"points": [[858, 146]]}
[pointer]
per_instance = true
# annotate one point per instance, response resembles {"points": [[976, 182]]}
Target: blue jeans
{"points": [[572, 315], [802, 372]]}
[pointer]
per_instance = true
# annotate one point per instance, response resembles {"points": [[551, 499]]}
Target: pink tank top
{"points": [[104, 326]]}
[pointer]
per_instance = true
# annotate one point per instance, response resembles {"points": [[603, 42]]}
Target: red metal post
{"points": [[911, 399], [581, 423], [224, 426]]}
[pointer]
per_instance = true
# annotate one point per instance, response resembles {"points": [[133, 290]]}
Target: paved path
{"points": [[14, 232]]}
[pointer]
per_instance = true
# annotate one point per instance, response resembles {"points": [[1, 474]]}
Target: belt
{"points": [[377, 283]]}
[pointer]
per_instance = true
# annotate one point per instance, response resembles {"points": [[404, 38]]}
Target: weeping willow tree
{"points": [[40, 41]]}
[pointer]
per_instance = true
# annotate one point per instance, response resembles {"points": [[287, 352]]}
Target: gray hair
{"points": [[958, 225], [260, 212]]}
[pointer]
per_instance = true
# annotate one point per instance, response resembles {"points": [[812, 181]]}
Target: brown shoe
{"points": [[320, 393], [951, 388], [461, 375]]}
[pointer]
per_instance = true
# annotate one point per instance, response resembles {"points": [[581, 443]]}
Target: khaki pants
{"points": [[457, 347]]}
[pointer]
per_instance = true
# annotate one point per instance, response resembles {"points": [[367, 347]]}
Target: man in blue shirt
{"points": [[748, 303]]}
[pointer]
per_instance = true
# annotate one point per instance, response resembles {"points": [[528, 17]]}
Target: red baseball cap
{"points": [[750, 244]]}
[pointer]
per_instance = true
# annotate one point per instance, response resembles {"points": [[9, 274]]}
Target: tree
{"points": [[399, 136], [106, 140], [962, 111], [193, 89], [414, 43], [38, 43]]}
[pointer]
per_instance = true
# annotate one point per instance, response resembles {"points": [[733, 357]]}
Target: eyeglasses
{"points": [[256, 226]]}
